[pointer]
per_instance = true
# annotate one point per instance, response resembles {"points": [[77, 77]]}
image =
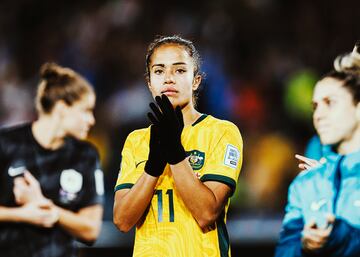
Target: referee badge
{"points": [[71, 183], [196, 159]]}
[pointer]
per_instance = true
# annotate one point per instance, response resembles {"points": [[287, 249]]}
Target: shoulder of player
{"points": [[220, 125], [138, 134], [13, 136], [136, 138], [13, 132], [214, 122]]}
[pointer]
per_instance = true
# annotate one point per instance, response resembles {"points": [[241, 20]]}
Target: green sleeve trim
{"points": [[220, 178], [123, 186]]}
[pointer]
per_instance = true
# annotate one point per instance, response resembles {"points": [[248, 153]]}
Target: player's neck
{"points": [[190, 114], [351, 144], [47, 132]]}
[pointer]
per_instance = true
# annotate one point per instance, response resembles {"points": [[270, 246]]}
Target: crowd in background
{"points": [[261, 59]]}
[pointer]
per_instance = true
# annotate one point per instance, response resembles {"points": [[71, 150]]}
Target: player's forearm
{"points": [[204, 207], [11, 214], [130, 205], [83, 227]]}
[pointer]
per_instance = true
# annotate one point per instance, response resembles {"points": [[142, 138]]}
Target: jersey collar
{"points": [[201, 118]]}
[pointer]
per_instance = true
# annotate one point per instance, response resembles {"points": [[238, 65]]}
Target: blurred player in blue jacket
{"points": [[323, 211]]}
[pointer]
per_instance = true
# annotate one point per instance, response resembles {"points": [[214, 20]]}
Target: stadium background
{"points": [[261, 58]]}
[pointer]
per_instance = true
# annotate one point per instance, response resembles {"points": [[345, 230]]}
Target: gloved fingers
{"points": [[156, 111], [155, 132], [153, 135], [179, 116], [158, 100], [153, 119], [160, 103], [166, 106]]}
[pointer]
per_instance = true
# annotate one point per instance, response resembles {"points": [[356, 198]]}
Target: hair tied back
{"points": [[53, 74], [349, 62]]}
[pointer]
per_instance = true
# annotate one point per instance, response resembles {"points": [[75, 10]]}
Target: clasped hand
{"points": [[36, 209], [314, 237], [165, 136]]}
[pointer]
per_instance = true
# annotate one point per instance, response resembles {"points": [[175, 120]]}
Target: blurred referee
{"points": [[51, 186]]}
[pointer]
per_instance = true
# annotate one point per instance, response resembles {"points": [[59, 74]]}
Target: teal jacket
{"points": [[333, 187]]}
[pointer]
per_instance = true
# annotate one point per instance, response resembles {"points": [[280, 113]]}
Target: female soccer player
{"points": [[348, 62], [177, 175], [322, 216], [50, 183]]}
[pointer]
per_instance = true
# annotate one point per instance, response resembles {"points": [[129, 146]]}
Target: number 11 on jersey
{"points": [[159, 194]]}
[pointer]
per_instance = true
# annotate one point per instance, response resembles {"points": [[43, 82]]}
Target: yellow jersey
{"points": [[214, 150]]}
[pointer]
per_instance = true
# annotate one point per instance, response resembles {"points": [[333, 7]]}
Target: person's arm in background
{"points": [[38, 214], [298, 239], [85, 224]]}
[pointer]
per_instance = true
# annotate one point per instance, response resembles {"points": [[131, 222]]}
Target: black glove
{"points": [[156, 162], [170, 123]]}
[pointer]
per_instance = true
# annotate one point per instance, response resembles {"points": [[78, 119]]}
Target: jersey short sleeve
{"points": [[133, 159], [225, 157], [94, 181]]}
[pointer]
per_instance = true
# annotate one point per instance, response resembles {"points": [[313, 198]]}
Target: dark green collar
{"points": [[201, 118]]}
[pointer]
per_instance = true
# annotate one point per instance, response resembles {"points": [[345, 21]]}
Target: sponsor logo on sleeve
{"points": [[232, 156]]}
